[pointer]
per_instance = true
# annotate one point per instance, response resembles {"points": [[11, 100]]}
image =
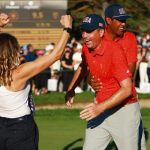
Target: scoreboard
{"points": [[35, 22], [41, 18]]}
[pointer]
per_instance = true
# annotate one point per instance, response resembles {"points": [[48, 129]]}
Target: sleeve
{"points": [[120, 67], [132, 47]]}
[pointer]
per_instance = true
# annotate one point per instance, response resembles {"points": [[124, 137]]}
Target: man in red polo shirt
{"points": [[107, 117], [115, 17]]}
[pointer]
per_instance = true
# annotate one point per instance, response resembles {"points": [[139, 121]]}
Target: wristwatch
{"points": [[69, 30]]}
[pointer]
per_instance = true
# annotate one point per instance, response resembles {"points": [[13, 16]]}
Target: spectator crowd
{"points": [[142, 73], [58, 76]]}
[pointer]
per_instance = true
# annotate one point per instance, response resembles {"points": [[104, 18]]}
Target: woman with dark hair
{"points": [[18, 130]]}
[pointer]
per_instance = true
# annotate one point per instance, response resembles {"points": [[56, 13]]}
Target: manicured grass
{"points": [[144, 96], [58, 98], [59, 128], [62, 129], [146, 122]]}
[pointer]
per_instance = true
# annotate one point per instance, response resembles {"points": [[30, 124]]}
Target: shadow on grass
{"points": [[68, 147], [146, 134], [111, 146]]}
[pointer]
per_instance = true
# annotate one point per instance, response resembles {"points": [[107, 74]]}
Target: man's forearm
{"points": [[94, 109], [78, 76]]}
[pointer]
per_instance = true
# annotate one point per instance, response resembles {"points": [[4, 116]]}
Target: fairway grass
{"points": [[58, 98], [59, 128], [62, 129]]}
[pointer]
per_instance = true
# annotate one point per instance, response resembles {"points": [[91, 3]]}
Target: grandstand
{"points": [[35, 21]]}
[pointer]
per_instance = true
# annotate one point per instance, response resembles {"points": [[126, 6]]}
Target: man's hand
{"points": [[69, 98], [91, 111], [4, 19], [94, 83]]}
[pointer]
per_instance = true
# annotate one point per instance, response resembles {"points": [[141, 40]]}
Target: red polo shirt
{"points": [[109, 64], [129, 45]]}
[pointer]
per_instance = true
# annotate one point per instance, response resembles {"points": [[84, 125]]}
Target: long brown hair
{"points": [[9, 57]]}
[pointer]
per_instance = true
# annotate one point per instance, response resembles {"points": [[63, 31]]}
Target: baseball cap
{"points": [[92, 22], [116, 11]]}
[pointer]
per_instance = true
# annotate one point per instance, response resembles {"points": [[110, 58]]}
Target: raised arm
{"points": [[30, 69]]}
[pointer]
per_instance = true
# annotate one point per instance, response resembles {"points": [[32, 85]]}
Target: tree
{"points": [[138, 9]]}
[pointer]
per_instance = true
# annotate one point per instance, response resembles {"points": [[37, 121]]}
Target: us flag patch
{"points": [[100, 25], [122, 11]]}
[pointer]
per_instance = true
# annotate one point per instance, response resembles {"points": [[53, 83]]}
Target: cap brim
{"points": [[87, 28], [122, 17]]}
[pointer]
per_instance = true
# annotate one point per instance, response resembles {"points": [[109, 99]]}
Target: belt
{"points": [[12, 120]]}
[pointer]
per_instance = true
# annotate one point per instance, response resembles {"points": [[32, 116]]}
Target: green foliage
{"points": [[138, 9]]}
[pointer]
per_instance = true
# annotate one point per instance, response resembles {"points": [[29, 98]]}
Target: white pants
{"points": [[123, 125], [143, 72]]}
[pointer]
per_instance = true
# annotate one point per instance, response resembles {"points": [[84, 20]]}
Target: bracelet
{"points": [[69, 30]]}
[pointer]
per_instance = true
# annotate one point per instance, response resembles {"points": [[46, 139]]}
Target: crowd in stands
{"points": [[142, 73], [58, 76]]}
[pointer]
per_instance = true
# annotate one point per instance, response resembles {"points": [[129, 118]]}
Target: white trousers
{"points": [[124, 126], [143, 72]]}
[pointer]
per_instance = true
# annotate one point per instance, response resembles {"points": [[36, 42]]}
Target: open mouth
{"points": [[122, 29]]}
